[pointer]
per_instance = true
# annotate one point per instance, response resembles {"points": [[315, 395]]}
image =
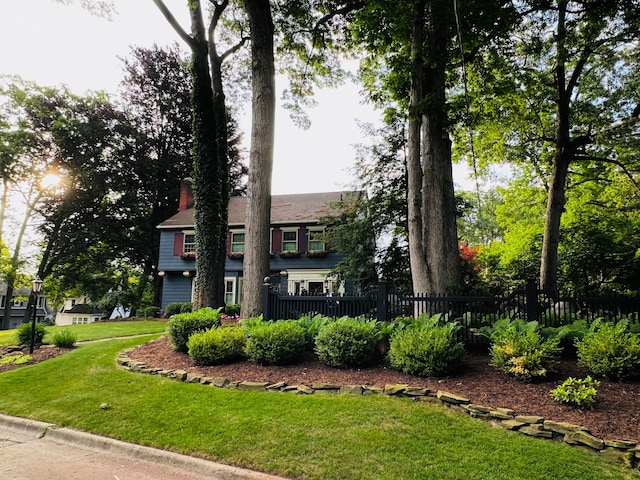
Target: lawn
{"points": [[95, 331], [314, 437]]}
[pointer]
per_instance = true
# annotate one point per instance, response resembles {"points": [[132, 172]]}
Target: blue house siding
{"points": [[298, 213], [175, 288]]}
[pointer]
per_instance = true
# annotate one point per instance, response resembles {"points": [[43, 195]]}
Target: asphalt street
{"points": [[31, 450]]}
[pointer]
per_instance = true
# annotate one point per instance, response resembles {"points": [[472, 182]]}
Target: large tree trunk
{"points": [[562, 158], [209, 205], [435, 263], [257, 228], [417, 254]]}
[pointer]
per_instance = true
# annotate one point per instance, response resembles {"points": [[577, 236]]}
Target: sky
{"points": [[54, 44]]}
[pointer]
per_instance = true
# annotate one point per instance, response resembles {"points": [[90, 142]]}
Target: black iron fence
{"points": [[471, 312]]}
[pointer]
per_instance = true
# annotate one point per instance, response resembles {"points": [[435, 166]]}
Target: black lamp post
{"points": [[36, 286]]}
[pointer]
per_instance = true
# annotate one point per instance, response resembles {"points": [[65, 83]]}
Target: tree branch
{"points": [[174, 23]]}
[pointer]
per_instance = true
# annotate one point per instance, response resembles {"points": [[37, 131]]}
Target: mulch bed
{"points": [[616, 415]]}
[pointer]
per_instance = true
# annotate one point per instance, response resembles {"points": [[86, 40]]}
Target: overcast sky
{"points": [[53, 44]]}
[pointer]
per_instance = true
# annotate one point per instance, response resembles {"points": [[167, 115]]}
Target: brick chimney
{"points": [[186, 195]]}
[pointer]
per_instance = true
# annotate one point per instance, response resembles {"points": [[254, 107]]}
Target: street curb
{"points": [[96, 443]]}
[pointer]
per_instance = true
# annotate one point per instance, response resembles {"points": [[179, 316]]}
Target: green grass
{"points": [[314, 437], [95, 331]]}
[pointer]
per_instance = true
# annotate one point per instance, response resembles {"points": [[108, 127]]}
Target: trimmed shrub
{"points": [[277, 343], [64, 339], [182, 325], [523, 353], [23, 334], [151, 312], [232, 309], [610, 351], [577, 392], [217, 346], [347, 342], [426, 350], [177, 307]]}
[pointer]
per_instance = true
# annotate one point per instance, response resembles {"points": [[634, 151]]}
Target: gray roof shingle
{"points": [[285, 209]]}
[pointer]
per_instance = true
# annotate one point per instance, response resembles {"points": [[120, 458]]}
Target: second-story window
{"points": [[316, 240], [237, 242], [189, 244], [290, 241]]}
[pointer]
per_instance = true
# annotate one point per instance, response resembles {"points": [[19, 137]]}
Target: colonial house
{"points": [[77, 311], [301, 261], [21, 298]]}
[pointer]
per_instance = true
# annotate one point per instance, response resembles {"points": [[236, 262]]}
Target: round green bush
{"points": [[610, 351], [217, 345], [23, 334], [181, 326], [347, 342], [426, 351], [177, 307], [277, 343], [64, 339]]}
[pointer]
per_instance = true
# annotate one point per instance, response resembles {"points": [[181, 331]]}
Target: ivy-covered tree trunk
{"points": [[257, 228], [210, 200]]}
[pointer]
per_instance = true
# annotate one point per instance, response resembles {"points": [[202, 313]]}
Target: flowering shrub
{"points": [[521, 351]]}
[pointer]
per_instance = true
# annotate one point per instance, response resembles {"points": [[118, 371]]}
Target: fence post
{"points": [[382, 301], [531, 298], [265, 299]]}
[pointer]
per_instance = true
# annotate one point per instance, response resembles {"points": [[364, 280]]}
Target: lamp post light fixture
{"points": [[36, 287]]}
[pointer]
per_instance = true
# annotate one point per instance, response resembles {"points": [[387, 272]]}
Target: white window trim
{"points": [[287, 230], [235, 232], [314, 230], [184, 241]]}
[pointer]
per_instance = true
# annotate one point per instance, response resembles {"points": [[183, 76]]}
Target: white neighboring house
{"points": [[77, 311]]}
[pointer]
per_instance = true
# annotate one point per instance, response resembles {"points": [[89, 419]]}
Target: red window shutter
{"points": [[178, 244], [276, 240], [228, 242]]}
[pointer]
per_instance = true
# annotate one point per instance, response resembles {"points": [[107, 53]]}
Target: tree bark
{"points": [[440, 229], [257, 227], [210, 204], [417, 254], [562, 158], [433, 239]]}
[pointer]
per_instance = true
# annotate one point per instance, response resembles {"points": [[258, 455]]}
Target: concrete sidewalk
{"points": [[31, 450]]}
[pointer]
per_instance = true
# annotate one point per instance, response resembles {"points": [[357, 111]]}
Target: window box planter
{"points": [[235, 255], [290, 254], [317, 253], [188, 256]]}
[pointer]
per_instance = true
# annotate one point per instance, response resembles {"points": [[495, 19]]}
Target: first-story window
{"points": [[189, 243], [229, 291]]}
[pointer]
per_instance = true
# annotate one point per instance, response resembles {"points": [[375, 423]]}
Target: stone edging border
{"points": [[627, 453]]}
